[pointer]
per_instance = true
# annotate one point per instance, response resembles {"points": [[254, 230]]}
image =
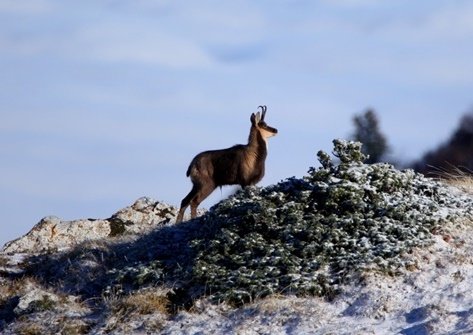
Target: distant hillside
{"points": [[453, 156], [350, 248]]}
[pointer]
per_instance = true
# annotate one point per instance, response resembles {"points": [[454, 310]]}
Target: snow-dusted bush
{"points": [[309, 235]]}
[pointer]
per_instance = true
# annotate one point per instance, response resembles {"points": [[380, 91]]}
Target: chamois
{"points": [[242, 164]]}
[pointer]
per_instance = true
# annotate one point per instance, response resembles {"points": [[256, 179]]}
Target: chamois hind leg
{"points": [[186, 201], [203, 193]]}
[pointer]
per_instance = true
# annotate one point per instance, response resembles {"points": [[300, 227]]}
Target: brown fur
{"points": [[239, 165]]}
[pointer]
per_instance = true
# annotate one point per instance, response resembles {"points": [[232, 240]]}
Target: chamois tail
{"points": [[191, 166]]}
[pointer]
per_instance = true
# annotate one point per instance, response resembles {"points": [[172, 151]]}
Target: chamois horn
{"points": [[263, 109]]}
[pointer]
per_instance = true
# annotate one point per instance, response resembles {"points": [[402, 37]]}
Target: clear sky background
{"points": [[102, 102]]}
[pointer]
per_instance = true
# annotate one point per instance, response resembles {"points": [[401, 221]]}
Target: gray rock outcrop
{"points": [[52, 233]]}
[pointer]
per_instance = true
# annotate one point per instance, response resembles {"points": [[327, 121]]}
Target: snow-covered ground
{"points": [[433, 297]]}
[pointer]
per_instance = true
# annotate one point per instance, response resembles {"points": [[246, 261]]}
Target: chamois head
{"points": [[257, 121]]}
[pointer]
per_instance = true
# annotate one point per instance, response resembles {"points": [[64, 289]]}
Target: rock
{"points": [[36, 300], [145, 213], [51, 233]]}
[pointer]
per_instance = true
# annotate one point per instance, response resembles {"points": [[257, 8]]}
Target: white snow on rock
{"points": [[51, 233], [35, 299]]}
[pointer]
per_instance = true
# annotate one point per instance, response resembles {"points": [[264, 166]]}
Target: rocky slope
{"points": [[350, 248], [52, 234]]}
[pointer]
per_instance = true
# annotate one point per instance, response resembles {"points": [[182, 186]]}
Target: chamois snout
{"points": [[242, 164]]}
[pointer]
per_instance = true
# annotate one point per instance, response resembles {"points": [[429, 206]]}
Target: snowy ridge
{"points": [[350, 248]]}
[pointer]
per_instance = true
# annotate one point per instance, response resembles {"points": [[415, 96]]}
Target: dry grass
{"points": [[21, 286], [47, 324], [16, 287], [280, 304], [464, 183], [148, 307], [148, 301], [3, 261], [30, 328], [457, 177], [76, 327]]}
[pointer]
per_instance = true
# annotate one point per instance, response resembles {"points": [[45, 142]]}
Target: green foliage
{"points": [[44, 304], [140, 274], [309, 235]]}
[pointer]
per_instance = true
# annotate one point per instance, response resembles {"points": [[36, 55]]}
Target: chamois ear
{"points": [[255, 118], [258, 117]]}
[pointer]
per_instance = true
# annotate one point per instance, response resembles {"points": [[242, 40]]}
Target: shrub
{"points": [[309, 235]]}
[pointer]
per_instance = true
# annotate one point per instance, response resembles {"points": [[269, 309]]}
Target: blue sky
{"points": [[102, 102]]}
